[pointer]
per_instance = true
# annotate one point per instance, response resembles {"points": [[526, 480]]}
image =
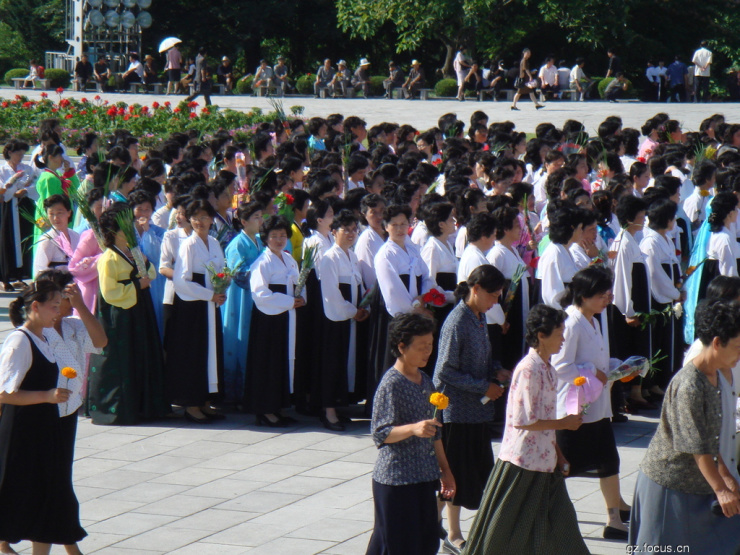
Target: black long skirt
{"points": [[512, 344], [126, 381], [709, 271], [329, 381], [448, 282], [627, 341], [309, 332], [469, 454], [591, 447], [9, 269], [186, 344], [267, 379]]}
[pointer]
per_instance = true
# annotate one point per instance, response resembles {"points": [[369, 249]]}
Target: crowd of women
{"points": [[326, 264]]}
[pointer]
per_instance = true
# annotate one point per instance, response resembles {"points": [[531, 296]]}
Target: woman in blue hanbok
{"points": [[242, 251]]}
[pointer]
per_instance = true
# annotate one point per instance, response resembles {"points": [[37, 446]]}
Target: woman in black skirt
{"points": [[526, 508], [466, 372], [37, 500], [411, 465], [194, 336], [272, 332], [341, 288]]}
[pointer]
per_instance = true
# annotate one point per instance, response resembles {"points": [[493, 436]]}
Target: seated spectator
{"points": [[150, 72], [225, 73], [33, 75], [563, 75], [616, 88], [579, 81], [341, 80], [474, 79], [264, 75], [324, 76], [134, 73], [495, 80], [549, 79], [361, 78], [394, 81], [101, 72], [280, 71], [83, 72], [415, 81], [189, 77]]}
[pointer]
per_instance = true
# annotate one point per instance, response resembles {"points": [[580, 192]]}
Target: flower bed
{"points": [[20, 118]]}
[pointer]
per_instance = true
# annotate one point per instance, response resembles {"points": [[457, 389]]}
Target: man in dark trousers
{"points": [[202, 80]]}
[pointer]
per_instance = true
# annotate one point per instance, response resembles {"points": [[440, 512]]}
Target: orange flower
{"points": [[69, 373], [579, 381], [703, 193], [439, 400], [612, 255], [627, 379]]}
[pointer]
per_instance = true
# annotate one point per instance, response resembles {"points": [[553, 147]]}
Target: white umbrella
{"points": [[168, 43]]}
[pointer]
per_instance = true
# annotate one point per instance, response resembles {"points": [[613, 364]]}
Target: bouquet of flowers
{"points": [[434, 298], [125, 221], [284, 203], [369, 296], [308, 263], [621, 370], [516, 280], [584, 390], [221, 280]]}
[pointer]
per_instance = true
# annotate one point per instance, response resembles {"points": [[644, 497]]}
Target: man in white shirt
{"points": [[651, 74], [579, 81], [134, 73], [549, 77], [702, 60]]}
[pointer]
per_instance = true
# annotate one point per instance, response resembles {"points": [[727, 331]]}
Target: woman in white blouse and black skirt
{"points": [[194, 337], [341, 287], [723, 250], [272, 332], [556, 267], [442, 264]]}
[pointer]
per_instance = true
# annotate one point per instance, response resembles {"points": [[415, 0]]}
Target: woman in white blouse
{"points": [[56, 246], [723, 247], [272, 332], [665, 288], [341, 287], [556, 267], [505, 257], [592, 447], [372, 238], [194, 337], [171, 242]]}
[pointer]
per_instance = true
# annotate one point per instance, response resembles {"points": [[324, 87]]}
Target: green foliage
{"points": [[604, 83], [58, 78], [244, 86], [304, 84], [14, 74], [376, 85], [445, 87]]}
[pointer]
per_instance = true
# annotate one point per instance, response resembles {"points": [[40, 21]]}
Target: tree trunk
{"points": [[447, 69]]}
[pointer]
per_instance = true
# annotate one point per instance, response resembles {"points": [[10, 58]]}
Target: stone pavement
{"points": [[232, 488], [424, 115]]}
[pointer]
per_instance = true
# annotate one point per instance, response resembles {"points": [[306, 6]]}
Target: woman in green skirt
{"points": [[526, 509]]}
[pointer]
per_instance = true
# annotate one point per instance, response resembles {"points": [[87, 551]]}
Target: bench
{"points": [[424, 94], [323, 92], [19, 81], [509, 94], [262, 91], [572, 93], [134, 87], [76, 84]]}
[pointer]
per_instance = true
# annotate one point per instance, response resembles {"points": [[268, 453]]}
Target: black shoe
{"points": [[262, 420], [625, 515], [539, 106], [442, 531], [287, 419], [515, 108], [619, 418], [195, 420], [449, 547], [8, 288], [614, 533], [333, 426], [213, 415], [344, 419]]}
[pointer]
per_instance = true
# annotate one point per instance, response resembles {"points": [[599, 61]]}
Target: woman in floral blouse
{"points": [[526, 506]]}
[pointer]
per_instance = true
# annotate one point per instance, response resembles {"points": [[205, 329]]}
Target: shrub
{"points": [[17, 73], [58, 78], [304, 84], [630, 92], [244, 86], [446, 87], [376, 85]]}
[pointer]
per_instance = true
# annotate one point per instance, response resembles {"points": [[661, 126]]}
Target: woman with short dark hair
{"points": [[556, 267], [523, 84], [57, 245], [411, 465]]}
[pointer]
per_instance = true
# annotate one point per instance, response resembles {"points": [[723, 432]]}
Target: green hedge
{"points": [[245, 86], [630, 92], [445, 87], [16, 73], [304, 84], [57, 78]]}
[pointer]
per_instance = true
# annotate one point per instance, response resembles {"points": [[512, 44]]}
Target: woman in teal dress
{"points": [[242, 251]]}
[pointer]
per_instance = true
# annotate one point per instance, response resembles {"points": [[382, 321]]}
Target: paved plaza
{"points": [[232, 487]]}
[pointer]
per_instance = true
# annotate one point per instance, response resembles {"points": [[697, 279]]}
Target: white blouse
{"points": [[420, 235], [659, 250], [27, 182], [322, 243], [584, 343], [724, 248], [71, 349], [580, 256], [366, 248], [49, 250], [439, 258], [473, 257], [555, 268], [507, 261], [170, 247], [393, 261], [461, 241], [628, 253], [337, 267], [16, 358]]}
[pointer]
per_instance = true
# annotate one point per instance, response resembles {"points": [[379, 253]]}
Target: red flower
{"points": [[167, 104], [434, 297], [83, 112], [121, 111], [28, 104], [220, 275], [205, 112], [112, 111], [64, 102], [192, 104], [83, 100], [60, 90], [289, 199], [678, 253], [44, 95], [155, 105], [5, 104], [641, 159], [176, 110], [533, 263], [137, 116], [54, 110], [144, 109], [97, 97], [127, 117], [68, 116], [192, 115]]}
